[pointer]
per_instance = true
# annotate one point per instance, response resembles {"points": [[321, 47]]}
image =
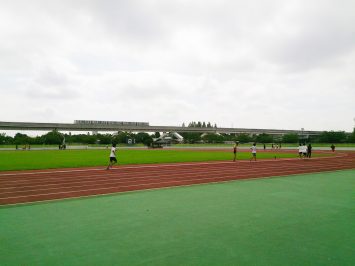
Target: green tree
{"points": [[21, 139], [53, 137], [332, 136], [144, 138], [200, 124], [229, 137], [191, 137], [38, 140], [120, 137], [90, 139], [290, 138], [5, 139], [104, 138], [213, 138], [351, 137], [244, 138], [264, 138]]}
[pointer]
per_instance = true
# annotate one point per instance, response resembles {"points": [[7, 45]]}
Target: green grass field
{"points": [[241, 145], [268, 145], [22, 160], [293, 220]]}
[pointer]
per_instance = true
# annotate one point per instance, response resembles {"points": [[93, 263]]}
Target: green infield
{"points": [[44, 159], [268, 145], [293, 220]]}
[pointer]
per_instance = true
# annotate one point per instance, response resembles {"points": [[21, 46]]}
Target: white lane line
{"points": [[161, 165], [103, 168], [153, 189], [166, 181], [74, 179]]}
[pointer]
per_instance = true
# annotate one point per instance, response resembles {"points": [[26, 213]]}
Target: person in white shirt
{"points": [[253, 152], [300, 150], [113, 159], [304, 150]]}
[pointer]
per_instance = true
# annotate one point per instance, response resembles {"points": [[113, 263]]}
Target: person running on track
{"points": [[253, 152], [113, 159], [309, 150], [304, 150], [300, 150], [332, 147], [235, 151]]}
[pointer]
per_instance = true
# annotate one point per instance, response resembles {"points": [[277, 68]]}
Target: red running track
{"points": [[42, 185]]}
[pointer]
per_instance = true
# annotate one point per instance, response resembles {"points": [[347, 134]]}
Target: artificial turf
{"points": [[44, 159], [293, 220]]}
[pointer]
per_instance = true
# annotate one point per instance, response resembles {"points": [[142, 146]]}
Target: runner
{"points": [[253, 152], [235, 151], [332, 147], [304, 150], [113, 159], [300, 150], [309, 150]]}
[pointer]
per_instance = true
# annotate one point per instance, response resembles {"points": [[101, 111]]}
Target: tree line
{"points": [[200, 124], [55, 137]]}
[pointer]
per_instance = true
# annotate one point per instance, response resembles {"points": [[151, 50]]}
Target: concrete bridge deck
{"points": [[144, 128]]}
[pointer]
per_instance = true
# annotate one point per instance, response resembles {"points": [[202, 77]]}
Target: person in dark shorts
{"points": [[300, 150], [309, 150], [253, 152], [332, 147], [235, 151], [113, 159]]}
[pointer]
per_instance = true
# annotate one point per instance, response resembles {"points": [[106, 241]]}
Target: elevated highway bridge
{"points": [[144, 127]]}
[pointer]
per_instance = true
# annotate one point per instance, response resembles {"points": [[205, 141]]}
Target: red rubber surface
{"points": [[40, 185]]}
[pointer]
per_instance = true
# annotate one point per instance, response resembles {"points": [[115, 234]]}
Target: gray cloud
{"points": [[272, 64], [52, 85], [305, 38]]}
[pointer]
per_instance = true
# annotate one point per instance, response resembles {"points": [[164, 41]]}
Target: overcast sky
{"points": [[256, 63]]}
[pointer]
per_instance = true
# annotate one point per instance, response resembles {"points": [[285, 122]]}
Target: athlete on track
{"points": [[304, 150], [309, 150], [235, 151], [332, 147], [113, 159], [300, 150], [253, 152]]}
